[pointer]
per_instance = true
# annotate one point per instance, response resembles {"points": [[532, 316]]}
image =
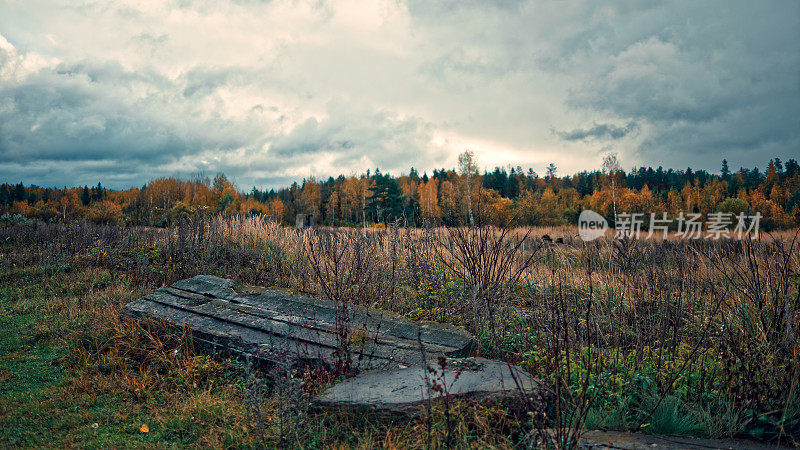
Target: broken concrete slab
{"points": [[405, 390], [274, 326]]}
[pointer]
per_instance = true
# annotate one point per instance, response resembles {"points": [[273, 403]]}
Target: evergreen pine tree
{"points": [[5, 195], [18, 194], [85, 196], [386, 201]]}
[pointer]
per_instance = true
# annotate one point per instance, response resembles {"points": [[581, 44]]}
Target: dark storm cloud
{"points": [[702, 78], [600, 131], [727, 79], [61, 117]]}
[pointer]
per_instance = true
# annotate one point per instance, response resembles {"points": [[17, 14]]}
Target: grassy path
{"points": [[29, 377], [44, 402]]}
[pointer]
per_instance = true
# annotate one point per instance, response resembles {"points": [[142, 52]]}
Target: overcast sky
{"points": [[270, 92]]}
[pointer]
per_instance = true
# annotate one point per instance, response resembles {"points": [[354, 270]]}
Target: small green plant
{"points": [[671, 417]]}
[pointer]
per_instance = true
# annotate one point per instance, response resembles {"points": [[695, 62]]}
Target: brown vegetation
{"points": [[677, 337]]}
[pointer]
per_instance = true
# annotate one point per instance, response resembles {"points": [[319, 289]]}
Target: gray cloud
{"points": [[727, 79], [703, 79], [274, 91], [349, 135], [598, 131], [85, 112]]}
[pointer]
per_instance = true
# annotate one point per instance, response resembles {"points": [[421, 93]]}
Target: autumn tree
{"points": [[311, 197], [351, 188], [223, 193], [276, 208], [449, 202], [526, 208], [429, 200], [332, 206], [492, 209], [69, 203], [105, 211]]}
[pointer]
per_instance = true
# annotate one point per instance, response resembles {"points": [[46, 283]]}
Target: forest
{"points": [[502, 196]]}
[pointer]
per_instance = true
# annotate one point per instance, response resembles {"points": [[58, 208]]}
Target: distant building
{"points": [[304, 221]]}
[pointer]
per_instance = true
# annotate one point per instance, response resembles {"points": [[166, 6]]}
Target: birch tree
{"points": [[468, 168], [611, 168]]}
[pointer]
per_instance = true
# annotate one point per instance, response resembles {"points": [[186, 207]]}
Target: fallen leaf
{"points": [[144, 428]]}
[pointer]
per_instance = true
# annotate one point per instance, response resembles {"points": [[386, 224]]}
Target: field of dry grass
{"points": [[677, 337]]}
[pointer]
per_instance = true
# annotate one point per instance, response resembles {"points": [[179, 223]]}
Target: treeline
{"points": [[446, 197]]}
